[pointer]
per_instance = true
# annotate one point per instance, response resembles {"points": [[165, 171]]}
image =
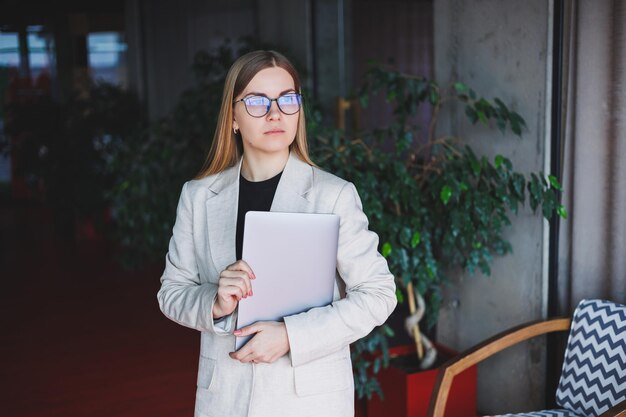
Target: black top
{"points": [[253, 196]]}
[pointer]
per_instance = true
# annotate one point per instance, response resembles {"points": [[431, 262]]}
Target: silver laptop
{"points": [[294, 259]]}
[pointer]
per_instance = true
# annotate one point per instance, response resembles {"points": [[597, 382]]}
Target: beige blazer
{"points": [[315, 377]]}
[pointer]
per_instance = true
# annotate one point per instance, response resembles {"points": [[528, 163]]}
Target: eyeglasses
{"points": [[259, 106]]}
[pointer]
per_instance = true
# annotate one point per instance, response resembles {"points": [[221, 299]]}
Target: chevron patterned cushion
{"points": [[594, 370], [544, 413]]}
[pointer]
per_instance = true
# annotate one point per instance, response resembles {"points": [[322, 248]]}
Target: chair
{"points": [[593, 377]]}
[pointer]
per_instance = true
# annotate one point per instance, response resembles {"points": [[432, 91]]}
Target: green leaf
{"points": [[460, 88], [386, 249], [403, 259], [502, 106], [515, 117], [483, 118], [415, 240], [471, 113], [446, 193], [429, 272], [555, 182], [476, 167], [499, 160], [516, 123], [434, 97], [561, 211], [376, 365]]}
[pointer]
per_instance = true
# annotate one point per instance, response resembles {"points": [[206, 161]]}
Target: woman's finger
{"points": [[234, 273], [232, 291], [249, 358], [243, 283], [245, 354], [237, 275], [241, 265], [248, 330]]}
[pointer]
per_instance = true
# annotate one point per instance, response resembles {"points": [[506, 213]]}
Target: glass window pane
{"points": [[107, 57], [40, 51], [9, 49]]}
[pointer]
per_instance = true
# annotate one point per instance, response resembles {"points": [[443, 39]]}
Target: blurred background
{"points": [[107, 108]]}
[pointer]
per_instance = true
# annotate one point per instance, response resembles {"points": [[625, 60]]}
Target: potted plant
{"points": [[436, 205]]}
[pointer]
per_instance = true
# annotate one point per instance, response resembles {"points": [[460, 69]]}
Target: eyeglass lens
{"points": [[259, 106]]}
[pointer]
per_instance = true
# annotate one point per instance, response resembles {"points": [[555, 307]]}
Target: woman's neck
{"points": [[262, 167]]}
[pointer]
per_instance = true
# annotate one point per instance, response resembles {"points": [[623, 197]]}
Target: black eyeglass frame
{"points": [[269, 106]]}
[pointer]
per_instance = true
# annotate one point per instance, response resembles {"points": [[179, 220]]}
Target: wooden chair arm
{"points": [[471, 357], [618, 410]]}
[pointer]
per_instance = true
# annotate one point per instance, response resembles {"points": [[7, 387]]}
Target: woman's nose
{"points": [[274, 112]]}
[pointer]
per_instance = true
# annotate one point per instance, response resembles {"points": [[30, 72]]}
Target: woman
{"points": [[259, 161]]}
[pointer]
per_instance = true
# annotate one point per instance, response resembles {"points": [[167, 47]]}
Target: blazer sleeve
{"points": [[182, 297], [370, 290]]}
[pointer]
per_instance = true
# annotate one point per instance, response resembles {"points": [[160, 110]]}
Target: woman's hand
{"points": [[233, 285], [268, 344]]}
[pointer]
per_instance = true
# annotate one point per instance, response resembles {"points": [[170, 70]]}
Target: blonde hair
{"points": [[226, 148]]}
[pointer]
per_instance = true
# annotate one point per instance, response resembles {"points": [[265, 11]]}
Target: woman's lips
{"points": [[274, 132]]}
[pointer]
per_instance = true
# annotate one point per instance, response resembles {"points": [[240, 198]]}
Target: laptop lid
{"points": [[294, 259]]}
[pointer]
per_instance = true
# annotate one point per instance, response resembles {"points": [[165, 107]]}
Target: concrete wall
{"points": [[501, 49]]}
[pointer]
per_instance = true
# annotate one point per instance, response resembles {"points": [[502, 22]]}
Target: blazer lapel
{"points": [[293, 187], [221, 212]]}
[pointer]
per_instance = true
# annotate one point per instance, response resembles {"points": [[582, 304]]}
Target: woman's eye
{"points": [[257, 101]]}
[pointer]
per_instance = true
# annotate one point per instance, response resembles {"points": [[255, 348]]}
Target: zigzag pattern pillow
{"points": [[594, 370], [544, 413]]}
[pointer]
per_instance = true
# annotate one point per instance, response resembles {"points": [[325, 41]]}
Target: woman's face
{"points": [[274, 132]]}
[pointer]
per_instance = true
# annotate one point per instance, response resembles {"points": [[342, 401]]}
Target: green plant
{"points": [[436, 205]]}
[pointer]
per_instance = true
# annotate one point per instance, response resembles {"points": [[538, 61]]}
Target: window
{"points": [[107, 57]]}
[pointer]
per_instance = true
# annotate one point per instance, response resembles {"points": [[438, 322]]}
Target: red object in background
{"points": [[408, 394], [92, 227]]}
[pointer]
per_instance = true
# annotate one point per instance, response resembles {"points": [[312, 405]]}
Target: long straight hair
{"points": [[226, 148]]}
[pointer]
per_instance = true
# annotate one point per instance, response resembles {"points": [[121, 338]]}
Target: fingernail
{"points": [[250, 292], [237, 332], [253, 276]]}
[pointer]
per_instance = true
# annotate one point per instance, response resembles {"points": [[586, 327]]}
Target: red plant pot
{"points": [[408, 393]]}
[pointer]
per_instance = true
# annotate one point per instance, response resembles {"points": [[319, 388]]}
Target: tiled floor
{"points": [[79, 335]]}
